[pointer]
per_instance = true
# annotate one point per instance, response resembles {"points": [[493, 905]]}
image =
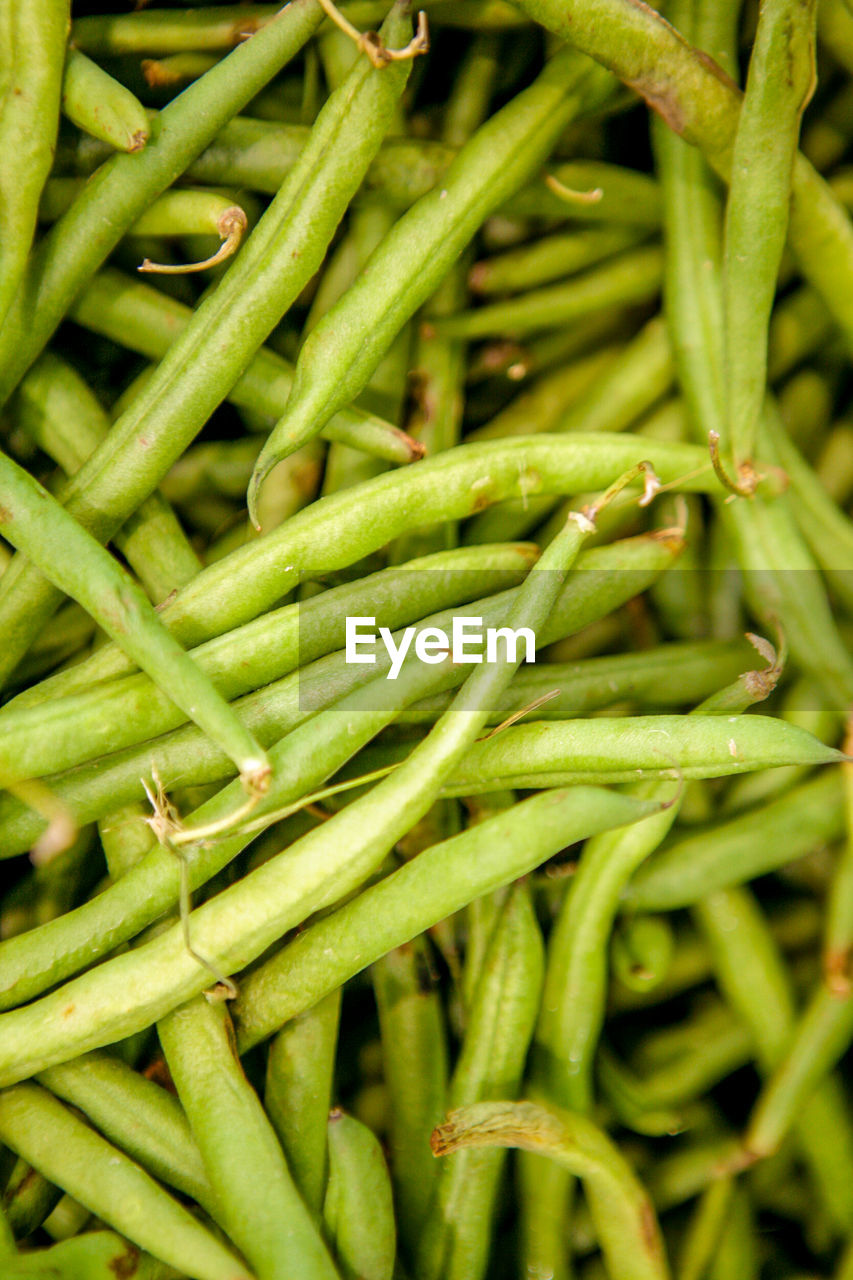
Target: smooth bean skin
{"points": [[50, 537], [81, 241], [410, 1013], [456, 1238], [438, 882], [95, 1255], [298, 1094], [261, 1208], [358, 1209], [98, 1175], [278, 259], [744, 847], [341, 353], [98, 104], [604, 580], [33, 48]]}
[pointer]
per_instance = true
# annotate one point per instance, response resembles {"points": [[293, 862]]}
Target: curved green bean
{"points": [[624, 1218]]}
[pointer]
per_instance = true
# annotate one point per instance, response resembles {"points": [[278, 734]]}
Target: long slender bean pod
{"points": [[97, 103], [702, 105], [410, 1013], [342, 528], [341, 353], [260, 1205], [33, 43], [456, 1238], [141, 1118], [358, 1210], [298, 1094], [606, 578], [780, 81], [97, 1174], [625, 1220], [746, 846], [278, 259], [127, 184], [36, 524], [148, 321]]}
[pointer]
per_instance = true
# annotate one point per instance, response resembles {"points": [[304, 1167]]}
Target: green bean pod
{"points": [[81, 241], [346, 526], [609, 577], [341, 353], [37, 525], [148, 321], [260, 1205], [33, 47], [99, 105], [741, 848], [358, 1210], [410, 1013], [28, 1199], [298, 1092], [456, 1237], [56, 408], [549, 259], [780, 81], [95, 1255], [97, 1174], [625, 1220], [641, 952], [141, 1118]]}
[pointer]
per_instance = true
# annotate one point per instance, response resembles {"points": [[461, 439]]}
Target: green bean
{"points": [[142, 1119], [828, 532], [438, 882], [605, 579], [624, 1218], [832, 463], [35, 523], [137, 316], [358, 1209], [177, 68], [260, 1205], [376, 820], [706, 1229], [750, 971], [780, 81], [742, 848], [549, 259], [59, 412], [98, 104], [33, 44], [838, 942], [630, 279], [410, 1013], [672, 674], [600, 749], [298, 1091], [820, 1038], [347, 526], [806, 409], [550, 398], [626, 1097], [96, 1255], [456, 1237], [70, 1153], [289, 243], [337, 360], [28, 1198], [80, 242], [641, 952], [63, 732]]}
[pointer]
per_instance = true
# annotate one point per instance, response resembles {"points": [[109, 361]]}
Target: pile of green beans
{"points": [[329, 948]]}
